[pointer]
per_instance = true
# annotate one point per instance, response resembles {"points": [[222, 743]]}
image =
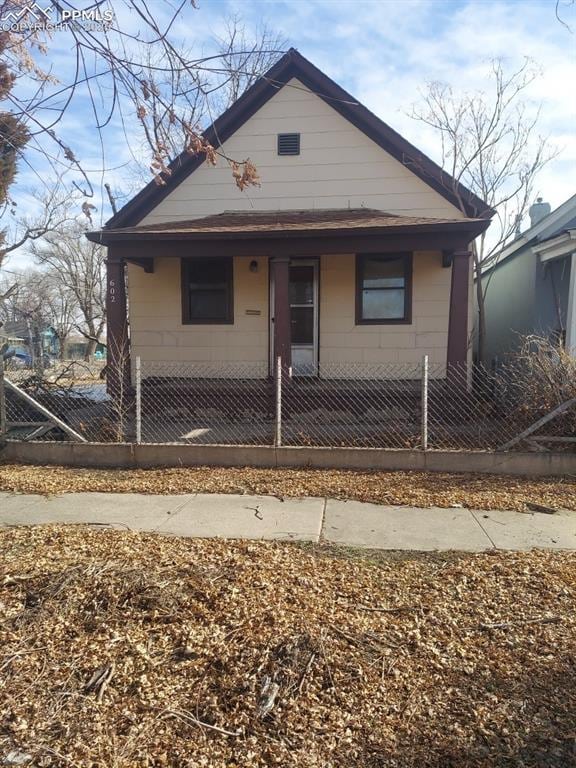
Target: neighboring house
{"points": [[531, 287], [76, 346], [28, 339], [22, 336], [353, 250]]}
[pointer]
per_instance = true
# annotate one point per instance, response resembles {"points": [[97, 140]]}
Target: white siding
{"points": [[338, 167], [157, 331], [342, 341], [158, 334]]}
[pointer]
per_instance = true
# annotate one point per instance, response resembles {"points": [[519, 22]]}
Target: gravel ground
{"points": [[128, 650], [420, 489]]}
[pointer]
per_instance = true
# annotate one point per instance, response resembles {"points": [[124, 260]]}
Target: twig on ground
{"points": [[16, 654], [522, 622], [328, 668], [398, 609], [306, 670], [346, 636], [188, 718], [53, 752], [100, 680], [105, 682], [384, 672]]}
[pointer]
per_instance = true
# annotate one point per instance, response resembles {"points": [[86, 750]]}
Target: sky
{"points": [[382, 51]]}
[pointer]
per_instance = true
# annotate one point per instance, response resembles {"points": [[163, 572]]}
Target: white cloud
{"points": [[382, 51]]}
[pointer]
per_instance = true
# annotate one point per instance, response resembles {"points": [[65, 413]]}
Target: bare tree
{"points": [[56, 210], [56, 205], [241, 58], [490, 145], [132, 66], [245, 56], [27, 314], [61, 307], [80, 267]]}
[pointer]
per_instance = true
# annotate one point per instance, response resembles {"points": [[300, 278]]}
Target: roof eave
{"points": [[294, 65], [104, 237]]}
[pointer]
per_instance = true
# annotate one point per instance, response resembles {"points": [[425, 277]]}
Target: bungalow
{"points": [[353, 250]]}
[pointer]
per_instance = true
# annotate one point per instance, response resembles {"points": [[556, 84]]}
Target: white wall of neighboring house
{"points": [[571, 311], [532, 287], [509, 303]]}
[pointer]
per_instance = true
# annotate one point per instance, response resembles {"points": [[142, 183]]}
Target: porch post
{"points": [[458, 319], [280, 276], [118, 343]]}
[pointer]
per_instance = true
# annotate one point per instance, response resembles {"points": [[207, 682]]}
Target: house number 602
{"points": [[112, 291]]}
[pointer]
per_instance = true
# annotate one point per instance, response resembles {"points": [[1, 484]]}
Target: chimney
{"points": [[538, 211]]}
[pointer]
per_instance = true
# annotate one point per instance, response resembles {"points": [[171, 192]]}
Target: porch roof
{"points": [[252, 225]]}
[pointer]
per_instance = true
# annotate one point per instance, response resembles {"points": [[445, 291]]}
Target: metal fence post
{"points": [[138, 401], [278, 423], [424, 425], [3, 426]]}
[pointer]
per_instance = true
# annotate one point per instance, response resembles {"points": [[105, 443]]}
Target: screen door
{"points": [[303, 297]]}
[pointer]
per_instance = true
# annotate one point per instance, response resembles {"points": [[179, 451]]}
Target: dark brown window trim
{"points": [[407, 259], [186, 319]]}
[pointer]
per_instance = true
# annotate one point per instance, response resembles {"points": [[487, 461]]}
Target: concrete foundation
{"points": [[126, 455]]}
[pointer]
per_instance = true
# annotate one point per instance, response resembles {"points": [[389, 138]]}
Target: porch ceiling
{"points": [[272, 226]]}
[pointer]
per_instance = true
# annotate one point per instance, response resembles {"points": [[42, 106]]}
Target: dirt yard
{"points": [[126, 650], [420, 489]]}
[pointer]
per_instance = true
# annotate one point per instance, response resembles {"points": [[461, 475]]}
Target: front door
{"points": [[303, 298]]}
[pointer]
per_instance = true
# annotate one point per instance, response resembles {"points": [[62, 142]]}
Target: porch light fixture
{"points": [[253, 266]]}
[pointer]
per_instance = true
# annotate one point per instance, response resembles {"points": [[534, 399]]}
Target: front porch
{"points": [[312, 288]]}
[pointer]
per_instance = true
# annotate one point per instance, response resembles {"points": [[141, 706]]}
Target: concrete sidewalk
{"points": [[350, 523]]}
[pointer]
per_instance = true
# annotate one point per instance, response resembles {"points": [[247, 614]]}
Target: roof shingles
{"points": [[271, 222]]}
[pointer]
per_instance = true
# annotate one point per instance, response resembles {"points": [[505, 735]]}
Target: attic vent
{"points": [[288, 143]]}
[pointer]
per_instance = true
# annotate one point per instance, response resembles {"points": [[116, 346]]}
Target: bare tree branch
{"points": [[80, 266], [567, 3], [136, 77], [490, 145]]}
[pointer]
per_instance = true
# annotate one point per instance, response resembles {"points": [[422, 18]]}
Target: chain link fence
{"points": [[369, 406], [204, 403], [411, 406]]}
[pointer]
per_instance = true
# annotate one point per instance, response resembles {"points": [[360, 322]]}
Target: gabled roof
{"points": [[294, 65], [560, 220], [262, 224]]}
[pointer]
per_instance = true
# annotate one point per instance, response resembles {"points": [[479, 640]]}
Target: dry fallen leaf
{"points": [[420, 489], [295, 656]]}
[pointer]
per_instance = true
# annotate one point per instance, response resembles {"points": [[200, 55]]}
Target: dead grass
{"points": [[420, 489], [126, 650]]}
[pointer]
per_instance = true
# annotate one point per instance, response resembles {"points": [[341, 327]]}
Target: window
{"points": [[207, 290], [288, 143], [383, 288]]}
